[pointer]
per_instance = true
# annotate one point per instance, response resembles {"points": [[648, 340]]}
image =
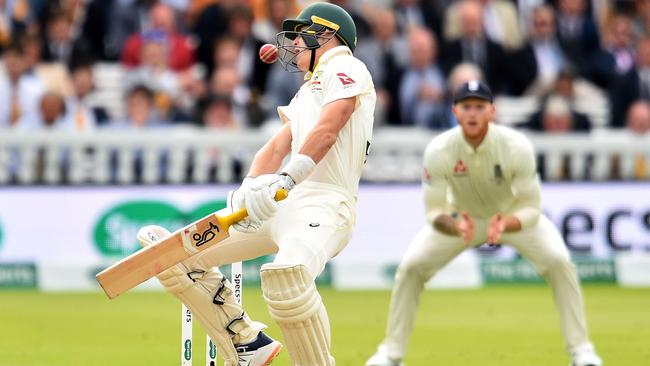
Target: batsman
{"points": [[326, 130], [480, 185]]}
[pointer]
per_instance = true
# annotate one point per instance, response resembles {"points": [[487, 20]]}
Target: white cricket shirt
{"points": [[497, 177], [338, 75]]}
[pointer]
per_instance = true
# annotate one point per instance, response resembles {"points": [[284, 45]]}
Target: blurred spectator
{"points": [[140, 110], [419, 13], [80, 115], [577, 32], [638, 122], [500, 21], [641, 22], [226, 53], [638, 118], [549, 56], [422, 86], [635, 84], [558, 116], [525, 10], [638, 127], [20, 92], [59, 43], [179, 48], [15, 19], [218, 113], [208, 20], [552, 106], [97, 26], [50, 114], [362, 25], [154, 73], [54, 75], [280, 89], [252, 71], [474, 47], [617, 55], [385, 54], [127, 18], [225, 81], [269, 15]]}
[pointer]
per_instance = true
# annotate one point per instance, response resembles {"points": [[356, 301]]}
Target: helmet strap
{"points": [[312, 60]]}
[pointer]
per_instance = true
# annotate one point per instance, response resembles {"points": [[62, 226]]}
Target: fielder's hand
{"points": [[496, 227], [465, 227]]}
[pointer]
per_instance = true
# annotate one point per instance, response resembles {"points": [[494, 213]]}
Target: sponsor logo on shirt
{"points": [[426, 177], [344, 79], [460, 168]]}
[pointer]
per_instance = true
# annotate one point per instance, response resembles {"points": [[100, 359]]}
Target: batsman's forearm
{"points": [[445, 224], [266, 161], [269, 158], [318, 143]]}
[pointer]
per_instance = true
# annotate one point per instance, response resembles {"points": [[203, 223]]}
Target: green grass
{"points": [[505, 326]]}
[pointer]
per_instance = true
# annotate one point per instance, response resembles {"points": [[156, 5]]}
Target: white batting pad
{"points": [[210, 298], [294, 303]]}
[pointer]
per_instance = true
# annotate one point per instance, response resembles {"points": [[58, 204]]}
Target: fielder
{"points": [[327, 130], [480, 185]]}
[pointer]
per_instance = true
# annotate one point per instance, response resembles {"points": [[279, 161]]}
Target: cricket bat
{"points": [[182, 244]]}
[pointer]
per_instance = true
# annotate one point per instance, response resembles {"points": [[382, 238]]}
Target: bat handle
{"points": [[242, 213]]}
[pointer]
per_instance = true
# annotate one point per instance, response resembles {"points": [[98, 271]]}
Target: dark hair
{"points": [[140, 89], [240, 11]]}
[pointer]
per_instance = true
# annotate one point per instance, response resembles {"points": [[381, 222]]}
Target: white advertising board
{"points": [[90, 227]]}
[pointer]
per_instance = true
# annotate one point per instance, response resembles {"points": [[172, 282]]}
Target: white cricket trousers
{"points": [[311, 226], [431, 250]]}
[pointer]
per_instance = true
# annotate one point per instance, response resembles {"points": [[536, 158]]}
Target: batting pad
{"points": [[294, 303], [210, 298]]}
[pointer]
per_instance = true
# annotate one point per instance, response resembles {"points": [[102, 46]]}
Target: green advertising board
{"points": [[18, 275], [519, 271]]}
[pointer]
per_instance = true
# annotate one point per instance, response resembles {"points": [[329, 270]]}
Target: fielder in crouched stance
{"points": [[480, 185], [327, 129]]}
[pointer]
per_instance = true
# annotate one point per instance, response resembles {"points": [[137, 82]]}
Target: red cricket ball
{"points": [[268, 53]]}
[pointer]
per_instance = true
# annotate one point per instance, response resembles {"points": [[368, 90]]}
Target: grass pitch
{"points": [[504, 326]]}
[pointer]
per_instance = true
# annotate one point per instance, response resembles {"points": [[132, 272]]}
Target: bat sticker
{"points": [[207, 235]]}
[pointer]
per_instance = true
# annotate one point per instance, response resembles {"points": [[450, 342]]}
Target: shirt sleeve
{"points": [[525, 185], [287, 112], [434, 182], [344, 78]]}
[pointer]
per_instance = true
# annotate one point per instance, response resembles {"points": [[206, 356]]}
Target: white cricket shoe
{"points": [[585, 355], [259, 352], [380, 358]]}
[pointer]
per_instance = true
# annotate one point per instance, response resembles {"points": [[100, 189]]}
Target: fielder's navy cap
{"points": [[473, 89]]}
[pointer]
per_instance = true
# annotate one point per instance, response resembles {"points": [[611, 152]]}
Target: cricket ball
{"points": [[268, 53]]}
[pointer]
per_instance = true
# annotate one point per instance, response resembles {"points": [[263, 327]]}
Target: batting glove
{"points": [[260, 199], [235, 202]]}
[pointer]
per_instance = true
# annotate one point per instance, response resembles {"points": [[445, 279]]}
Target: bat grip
{"points": [[242, 213]]}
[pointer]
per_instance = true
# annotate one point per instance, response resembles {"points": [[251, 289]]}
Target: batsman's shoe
{"points": [[259, 352], [380, 358], [585, 356]]}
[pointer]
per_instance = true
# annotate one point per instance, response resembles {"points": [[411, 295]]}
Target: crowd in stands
{"points": [[195, 61]]}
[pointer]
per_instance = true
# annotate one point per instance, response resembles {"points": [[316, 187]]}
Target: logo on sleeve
{"points": [[345, 80], [460, 168], [426, 177]]}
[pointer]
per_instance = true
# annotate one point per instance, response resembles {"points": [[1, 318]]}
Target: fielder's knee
{"points": [[558, 265], [294, 303], [410, 271]]}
